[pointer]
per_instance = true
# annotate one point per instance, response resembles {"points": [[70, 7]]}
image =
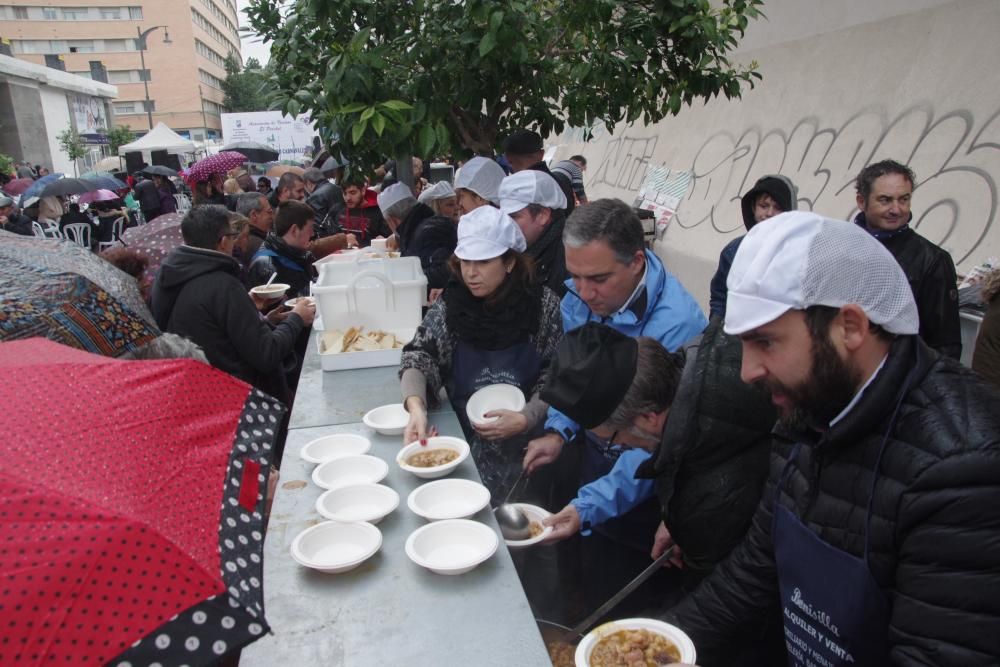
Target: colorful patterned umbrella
{"points": [[219, 163], [132, 522], [65, 293], [18, 186], [156, 239]]}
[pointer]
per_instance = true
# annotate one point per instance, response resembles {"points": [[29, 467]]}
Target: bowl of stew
{"points": [[638, 641], [437, 458]]}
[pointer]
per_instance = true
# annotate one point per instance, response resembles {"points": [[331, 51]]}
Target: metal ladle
{"points": [[514, 523]]}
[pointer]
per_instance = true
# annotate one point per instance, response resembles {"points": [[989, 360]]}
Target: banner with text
{"points": [[291, 137]]}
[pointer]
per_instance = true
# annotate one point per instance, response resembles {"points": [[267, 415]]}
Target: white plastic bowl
{"points": [[454, 546], [493, 397], [437, 442], [336, 547], [350, 470], [387, 419], [311, 300], [359, 502], [671, 632], [448, 499], [334, 446], [534, 513], [272, 291]]}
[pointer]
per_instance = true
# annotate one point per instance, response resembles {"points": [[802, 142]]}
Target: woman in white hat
{"points": [[492, 325], [442, 200], [477, 184]]}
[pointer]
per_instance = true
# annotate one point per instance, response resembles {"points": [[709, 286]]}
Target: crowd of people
{"points": [[817, 467]]}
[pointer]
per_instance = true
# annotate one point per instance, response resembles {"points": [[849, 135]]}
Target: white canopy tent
{"points": [[161, 138]]}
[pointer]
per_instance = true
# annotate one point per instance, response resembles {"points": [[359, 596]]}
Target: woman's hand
{"points": [[507, 424], [416, 427], [565, 524]]}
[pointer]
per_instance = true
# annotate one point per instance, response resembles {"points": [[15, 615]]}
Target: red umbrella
{"points": [[18, 186], [132, 521], [219, 163]]}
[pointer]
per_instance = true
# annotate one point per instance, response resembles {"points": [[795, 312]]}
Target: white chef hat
{"points": [[482, 176], [486, 233], [440, 190], [800, 259], [530, 187]]}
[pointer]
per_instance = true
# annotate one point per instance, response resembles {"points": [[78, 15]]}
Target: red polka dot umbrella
{"points": [[131, 529], [219, 163]]}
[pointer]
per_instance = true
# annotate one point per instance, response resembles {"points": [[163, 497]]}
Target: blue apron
{"points": [[834, 612], [498, 462]]}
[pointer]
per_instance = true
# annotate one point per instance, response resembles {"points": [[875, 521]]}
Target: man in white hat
{"points": [[877, 532], [419, 232], [537, 204]]}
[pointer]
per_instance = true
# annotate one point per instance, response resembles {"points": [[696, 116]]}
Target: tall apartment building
{"points": [[184, 72]]}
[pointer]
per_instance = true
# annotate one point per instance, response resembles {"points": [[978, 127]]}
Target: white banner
{"points": [[291, 137], [89, 114]]}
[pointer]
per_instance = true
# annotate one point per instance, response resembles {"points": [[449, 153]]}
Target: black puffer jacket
{"points": [[935, 528], [197, 294], [325, 198], [713, 458], [430, 237], [550, 255], [931, 273]]}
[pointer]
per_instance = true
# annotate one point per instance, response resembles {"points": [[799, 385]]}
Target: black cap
{"points": [[592, 371], [523, 142]]}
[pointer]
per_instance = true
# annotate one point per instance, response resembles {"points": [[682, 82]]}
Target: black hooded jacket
{"points": [[934, 550], [198, 294], [785, 194], [430, 237]]}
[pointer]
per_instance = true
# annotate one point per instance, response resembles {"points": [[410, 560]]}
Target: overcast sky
{"points": [[252, 47]]}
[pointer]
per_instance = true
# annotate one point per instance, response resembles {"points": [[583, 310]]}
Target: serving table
{"points": [[388, 611]]}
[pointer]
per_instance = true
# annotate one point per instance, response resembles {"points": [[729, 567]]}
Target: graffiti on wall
{"points": [[956, 158]]}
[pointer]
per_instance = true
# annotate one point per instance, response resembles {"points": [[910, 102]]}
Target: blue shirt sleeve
{"points": [[562, 424], [614, 494]]}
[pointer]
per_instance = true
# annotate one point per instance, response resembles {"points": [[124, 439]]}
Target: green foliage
{"points": [[6, 164], [244, 88], [72, 145], [431, 76], [119, 135]]}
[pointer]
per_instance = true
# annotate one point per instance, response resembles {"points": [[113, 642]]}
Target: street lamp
{"points": [[140, 43]]}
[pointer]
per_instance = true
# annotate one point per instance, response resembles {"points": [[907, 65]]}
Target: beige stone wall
{"points": [[845, 83]]}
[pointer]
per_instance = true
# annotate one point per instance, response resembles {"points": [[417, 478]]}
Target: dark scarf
{"points": [[881, 234], [492, 328]]}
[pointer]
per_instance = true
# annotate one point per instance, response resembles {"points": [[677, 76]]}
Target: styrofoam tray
{"points": [[339, 361]]}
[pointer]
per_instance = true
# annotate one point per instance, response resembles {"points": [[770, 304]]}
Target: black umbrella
{"points": [[68, 186], [158, 170], [254, 151]]}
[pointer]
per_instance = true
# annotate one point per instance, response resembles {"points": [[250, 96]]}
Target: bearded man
{"points": [[876, 539]]}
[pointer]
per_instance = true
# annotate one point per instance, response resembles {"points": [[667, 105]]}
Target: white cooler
{"points": [[376, 293]]}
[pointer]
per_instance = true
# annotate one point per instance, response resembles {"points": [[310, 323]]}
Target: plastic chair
{"points": [[117, 228], [140, 219], [51, 228], [37, 230], [79, 233], [183, 203]]}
